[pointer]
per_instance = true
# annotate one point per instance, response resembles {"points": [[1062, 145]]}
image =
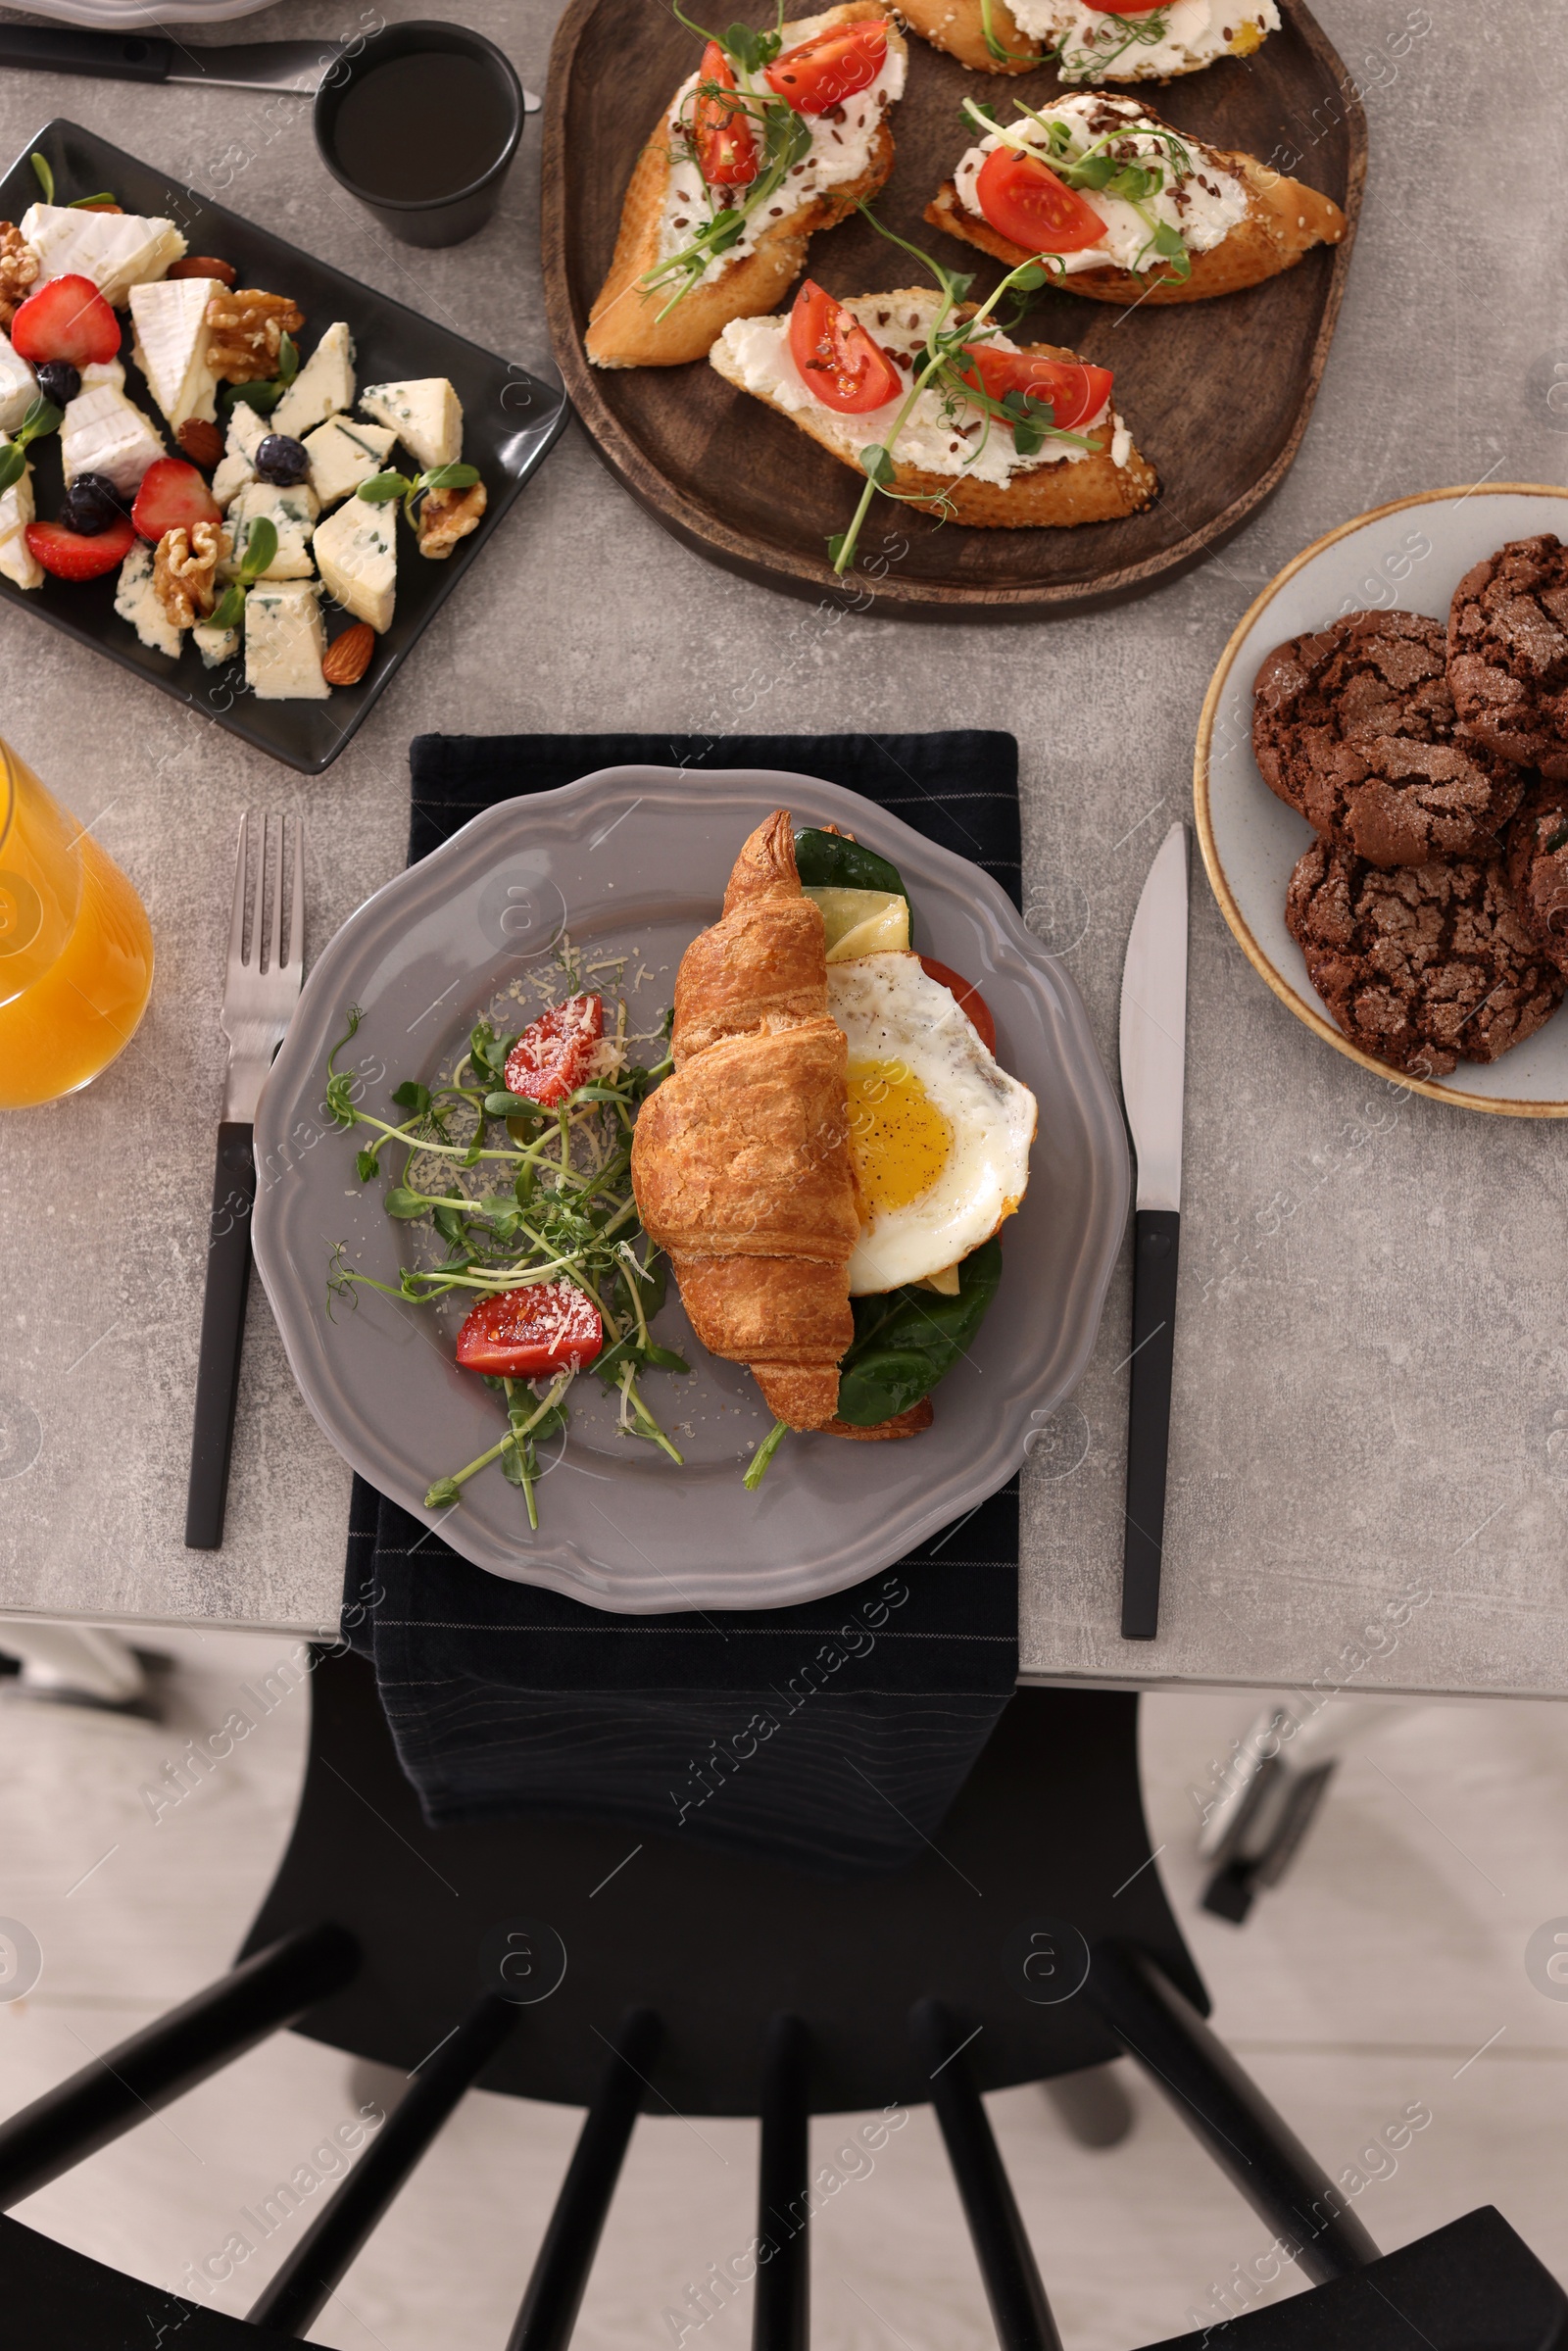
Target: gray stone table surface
{"points": [[1371, 1405]]}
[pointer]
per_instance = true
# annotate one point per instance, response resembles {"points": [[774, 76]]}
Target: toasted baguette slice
{"points": [[1091, 489], [958, 26], [625, 328], [1283, 220]]}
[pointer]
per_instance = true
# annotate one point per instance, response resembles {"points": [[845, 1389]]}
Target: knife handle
{"points": [[228, 1282], [1156, 1239], [107, 56]]}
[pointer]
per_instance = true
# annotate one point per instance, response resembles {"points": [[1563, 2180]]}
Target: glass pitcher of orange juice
{"points": [[75, 949]]}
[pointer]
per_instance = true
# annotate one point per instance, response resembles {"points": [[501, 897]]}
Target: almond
{"points": [[348, 656], [202, 264], [101, 205], [201, 442]]}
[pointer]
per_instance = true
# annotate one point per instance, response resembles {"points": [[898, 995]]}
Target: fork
{"points": [[261, 989]]}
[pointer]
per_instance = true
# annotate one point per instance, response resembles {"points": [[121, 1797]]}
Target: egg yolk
{"points": [[899, 1140]]}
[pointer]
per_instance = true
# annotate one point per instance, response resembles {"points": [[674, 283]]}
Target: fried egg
{"points": [[938, 1135]]}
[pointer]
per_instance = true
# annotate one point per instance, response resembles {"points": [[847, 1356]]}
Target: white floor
{"points": [[1386, 1972]]}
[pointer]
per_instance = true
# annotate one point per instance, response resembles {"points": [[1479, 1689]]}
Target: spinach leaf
{"points": [[907, 1340], [828, 861]]}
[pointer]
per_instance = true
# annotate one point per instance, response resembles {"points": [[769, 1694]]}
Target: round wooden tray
{"points": [[1217, 393]]}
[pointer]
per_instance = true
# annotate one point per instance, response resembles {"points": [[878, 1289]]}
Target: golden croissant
{"points": [[739, 1161]]}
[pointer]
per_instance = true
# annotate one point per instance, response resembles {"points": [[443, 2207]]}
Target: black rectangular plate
{"points": [[510, 421]]}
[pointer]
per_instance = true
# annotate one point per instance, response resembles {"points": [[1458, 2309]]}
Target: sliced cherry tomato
{"points": [[726, 151], [1075, 390], [971, 1004], [830, 67], [554, 1054], [840, 362], [1027, 203], [526, 1333]]}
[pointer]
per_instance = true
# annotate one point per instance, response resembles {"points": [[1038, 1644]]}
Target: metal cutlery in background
{"points": [[153, 57], [1153, 1059], [261, 987]]}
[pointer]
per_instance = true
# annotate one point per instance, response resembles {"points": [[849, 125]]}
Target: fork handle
{"points": [[228, 1281]]}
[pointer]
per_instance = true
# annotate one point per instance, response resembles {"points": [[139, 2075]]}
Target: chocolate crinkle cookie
{"points": [[1354, 727], [1422, 966], [1538, 866], [1509, 652]]}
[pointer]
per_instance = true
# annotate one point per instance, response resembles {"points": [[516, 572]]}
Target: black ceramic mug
{"points": [[421, 125]]}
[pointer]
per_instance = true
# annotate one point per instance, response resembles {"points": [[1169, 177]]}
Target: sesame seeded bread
{"points": [[958, 26], [625, 328], [1093, 489], [1283, 220]]}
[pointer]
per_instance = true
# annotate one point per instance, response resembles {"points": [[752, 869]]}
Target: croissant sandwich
{"points": [[741, 1160]]}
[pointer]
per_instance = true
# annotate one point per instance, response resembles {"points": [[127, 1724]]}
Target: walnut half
{"points": [[448, 515], [247, 328], [17, 269], [184, 570]]}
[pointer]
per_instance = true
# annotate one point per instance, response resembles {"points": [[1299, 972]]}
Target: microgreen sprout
{"points": [[261, 546], [757, 1467], [948, 367], [993, 44], [265, 397], [382, 488], [41, 417], [550, 1200], [1144, 30], [45, 175]]}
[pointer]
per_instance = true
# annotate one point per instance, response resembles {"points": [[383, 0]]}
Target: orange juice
{"points": [[76, 950]]}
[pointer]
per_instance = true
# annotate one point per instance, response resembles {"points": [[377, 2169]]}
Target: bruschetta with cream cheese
{"points": [[775, 136], [848, 374], [1093, 40], [1123, 209]]}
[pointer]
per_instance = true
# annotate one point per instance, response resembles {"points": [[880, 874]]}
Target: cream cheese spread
{"points": [[1202, 203], [1145, 44], [842, 144], [932, 439]]}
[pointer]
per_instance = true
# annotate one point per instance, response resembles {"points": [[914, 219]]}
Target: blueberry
{"points": [[93, 504], [282, 460], [59, 381]]}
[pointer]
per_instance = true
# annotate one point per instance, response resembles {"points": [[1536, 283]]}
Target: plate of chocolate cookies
{"points": [[1382, 793]]}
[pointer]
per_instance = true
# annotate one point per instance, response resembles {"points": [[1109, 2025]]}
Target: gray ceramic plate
{"points": [[1413, 553], [633, 861]]}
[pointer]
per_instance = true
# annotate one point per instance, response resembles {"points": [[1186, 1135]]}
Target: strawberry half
{"points": [[65, 320], [71, 554], [173, 497]]}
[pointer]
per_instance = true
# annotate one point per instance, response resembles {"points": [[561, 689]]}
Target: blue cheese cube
{"points": [[357, 549], [427, 415], [284, 641], [16, 559], [291, 508], [323, 386], [136, 601], [343, 453], [214, 645], [248, 428]]}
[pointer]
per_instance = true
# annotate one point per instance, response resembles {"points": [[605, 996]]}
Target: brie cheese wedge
{"points": [[16, 559], [115, 250], [323, 386], [18, 386], [248, 428], [285, 641], [357, 550], [136, 601], [343, 453], [104, 432], [427, 415], [291, 508], [171, 335]]}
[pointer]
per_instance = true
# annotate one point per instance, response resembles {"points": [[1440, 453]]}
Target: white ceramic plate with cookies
{"points": [[630, 864], [1411, 554]]}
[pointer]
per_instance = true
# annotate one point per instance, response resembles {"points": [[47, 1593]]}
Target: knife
{"points": [[150, 57], [1153, 1056]]}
